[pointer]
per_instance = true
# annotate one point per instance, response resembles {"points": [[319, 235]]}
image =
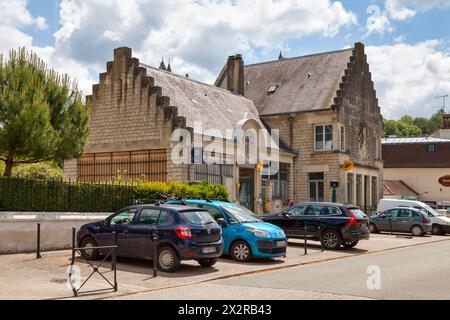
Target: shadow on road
{"points": [[317, 246]]}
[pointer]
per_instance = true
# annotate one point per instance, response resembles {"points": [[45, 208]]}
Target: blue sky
{"points": [[407, 41]]}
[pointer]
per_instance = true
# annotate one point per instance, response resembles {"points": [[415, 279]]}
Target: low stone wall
{"points": [[18, 230]]}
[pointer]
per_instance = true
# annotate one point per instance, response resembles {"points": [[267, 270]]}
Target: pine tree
{"points": [[42, 114]]}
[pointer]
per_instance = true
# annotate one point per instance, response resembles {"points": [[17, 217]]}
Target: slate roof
{"points": [[397, 188], [297, 92], [214, 107], [414, 140]]}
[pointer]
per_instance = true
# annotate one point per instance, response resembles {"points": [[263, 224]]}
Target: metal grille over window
{"points": [[214, 173]]}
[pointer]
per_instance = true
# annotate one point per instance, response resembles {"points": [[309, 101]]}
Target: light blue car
{"points": [[245, 236]]}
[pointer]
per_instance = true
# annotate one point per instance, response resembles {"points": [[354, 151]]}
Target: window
{"points": [[358, 189], [404, 213], [280, 182], [124, 218], [214, 212], [342, 136], [154, 217], [391, 213], [297, 211], [350, 184], [324, 138], [316, 187], [199, 218], [374, 192], [322, 211], [431, 148]]}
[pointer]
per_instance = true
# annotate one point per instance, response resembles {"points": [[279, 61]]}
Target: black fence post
{"points": [[73, 243], [114, 253], [38, 245], [155, 239], [321, 239], [306, 240]]}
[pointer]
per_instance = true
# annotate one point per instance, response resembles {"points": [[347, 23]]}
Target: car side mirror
{"points": [[285, 214], [383, 216], [222, 222]]}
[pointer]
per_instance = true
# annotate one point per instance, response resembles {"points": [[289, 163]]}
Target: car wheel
{"points": [[350, 244], [207, 263], [87, 244], [168, 260], [437, 230], [331, 240], [417, 231], [241, 251], [373, 228]]}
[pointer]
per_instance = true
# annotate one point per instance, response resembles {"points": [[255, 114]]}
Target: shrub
{"points": [[38, 171]]}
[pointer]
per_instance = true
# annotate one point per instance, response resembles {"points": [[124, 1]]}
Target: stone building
{"points": [[423, 164], [326, 110], [324, 107]]}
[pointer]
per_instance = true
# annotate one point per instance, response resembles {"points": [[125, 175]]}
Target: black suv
{"points": [[336, 224]]}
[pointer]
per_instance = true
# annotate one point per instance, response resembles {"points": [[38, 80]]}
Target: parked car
{"points": [[184, 233], [335, 224], [245, 235], [409, 220], [440, 222]]}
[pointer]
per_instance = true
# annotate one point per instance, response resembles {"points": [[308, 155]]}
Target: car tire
{"points": [[207, 263], [168, 260], [90, 254], [417, 231], [350, 244], [437, 230], [331, 240], [373, 228], [241, 251]]}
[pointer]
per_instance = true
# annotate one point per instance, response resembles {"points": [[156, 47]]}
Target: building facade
{"points": [[421, 163], [327, 113], [321, 111]]}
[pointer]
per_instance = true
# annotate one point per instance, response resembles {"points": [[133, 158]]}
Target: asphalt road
{"points": [[420, 272]]}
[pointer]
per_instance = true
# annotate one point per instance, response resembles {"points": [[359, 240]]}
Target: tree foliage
{"points": [[42, 114], [408, 126]]}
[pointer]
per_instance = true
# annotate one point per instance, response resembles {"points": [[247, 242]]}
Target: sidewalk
{"points": [[24, 277]]}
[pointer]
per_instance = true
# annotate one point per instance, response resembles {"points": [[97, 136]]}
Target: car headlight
{"points": [[259, 233], [281, 234]]}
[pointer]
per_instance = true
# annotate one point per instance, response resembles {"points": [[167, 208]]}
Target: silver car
{"points": [[408, 220]]}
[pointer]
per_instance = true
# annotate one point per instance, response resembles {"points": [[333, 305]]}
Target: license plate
{"points": [[364, 225], [209, 250], [281, 244]]}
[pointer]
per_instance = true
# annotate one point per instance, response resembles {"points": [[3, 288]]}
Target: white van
{"points": [[441, 223]]}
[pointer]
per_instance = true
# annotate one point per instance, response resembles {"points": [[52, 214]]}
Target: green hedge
{"points": [[19, 194], [204, 190]]}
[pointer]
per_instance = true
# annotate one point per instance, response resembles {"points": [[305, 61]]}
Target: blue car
{"points": [[245, 236], [181, 232]]}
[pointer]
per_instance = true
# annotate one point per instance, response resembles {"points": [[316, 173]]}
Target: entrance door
{"points": [[247, 190]]}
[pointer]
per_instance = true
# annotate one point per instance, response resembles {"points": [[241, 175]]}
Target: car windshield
{"points": [[241, 214], [358, 213], [199, 218]]}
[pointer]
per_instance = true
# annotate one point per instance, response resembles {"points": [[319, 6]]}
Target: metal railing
{"points": [[112, 252]]}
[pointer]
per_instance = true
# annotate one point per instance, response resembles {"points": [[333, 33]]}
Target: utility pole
{"points": [[444, 98]]}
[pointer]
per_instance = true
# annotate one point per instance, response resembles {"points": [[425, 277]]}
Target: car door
{"points": [[118, 223], [405, 219], [294, 221], [139, 237], [229, 232], [386, 220]]}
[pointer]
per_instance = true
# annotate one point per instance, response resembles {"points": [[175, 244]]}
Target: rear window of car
{"points": [[199, 218], [359, 213]]}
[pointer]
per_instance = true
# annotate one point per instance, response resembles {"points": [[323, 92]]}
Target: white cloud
{"points": [[378, 21], [197, 35], [409, 77], [404, 9], [15, 13]]}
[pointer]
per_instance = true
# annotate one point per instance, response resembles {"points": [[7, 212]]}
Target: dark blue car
{"points": [[183, 232]]}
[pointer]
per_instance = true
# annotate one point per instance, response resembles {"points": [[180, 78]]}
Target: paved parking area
{"points": [[24, 277]]}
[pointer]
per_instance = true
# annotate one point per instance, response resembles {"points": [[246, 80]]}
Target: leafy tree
{"points": [[391, 128], [408, 126], [42, 115], [407, 119]]}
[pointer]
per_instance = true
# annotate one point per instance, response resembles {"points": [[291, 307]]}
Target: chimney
{"points": [[446, 123], [235, 74]]}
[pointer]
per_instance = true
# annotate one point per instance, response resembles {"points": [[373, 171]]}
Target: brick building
{"points": [[323, 105]]}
